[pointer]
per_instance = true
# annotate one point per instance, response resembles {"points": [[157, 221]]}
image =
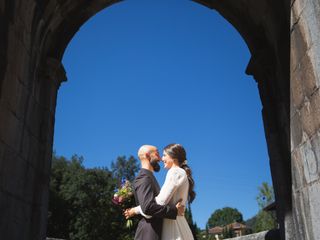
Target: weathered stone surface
{"points": [[310, 114], [299, 43], [305, 117], [298, 180], [33, 37], [10, 128], [302, 224], [309, 161], [265, 235], [314, 193], [296, 131]]}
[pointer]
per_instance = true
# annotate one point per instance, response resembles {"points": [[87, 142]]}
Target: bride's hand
{"points": [[130, 212], [181, 208]]}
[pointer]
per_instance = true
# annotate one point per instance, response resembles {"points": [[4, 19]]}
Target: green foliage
{"points": [[264, 221], [224, 216], [58, 217], [80, 205], [251, 221], [265, 195], [124, 168]]}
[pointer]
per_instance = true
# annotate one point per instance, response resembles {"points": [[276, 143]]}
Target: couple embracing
{"points": [[162, 210]]}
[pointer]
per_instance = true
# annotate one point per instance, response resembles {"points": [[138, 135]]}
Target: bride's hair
{"points": [[176, 151]]}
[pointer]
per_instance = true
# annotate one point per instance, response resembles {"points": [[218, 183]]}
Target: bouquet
{"points": [[123, 197]]}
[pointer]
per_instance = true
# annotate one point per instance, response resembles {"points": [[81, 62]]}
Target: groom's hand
{"points": [[181, 208]]}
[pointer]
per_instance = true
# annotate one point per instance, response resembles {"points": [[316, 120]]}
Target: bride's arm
{"points": [[137, 210], [173, 180]]}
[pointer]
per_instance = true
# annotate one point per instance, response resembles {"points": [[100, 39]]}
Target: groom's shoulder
{"points": [[141, 177]]}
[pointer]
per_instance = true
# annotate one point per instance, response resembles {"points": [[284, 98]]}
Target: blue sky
{"points": [[158, 72]]}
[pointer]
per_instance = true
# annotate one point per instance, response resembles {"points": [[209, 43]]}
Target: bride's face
{"points": [[167, 160]]}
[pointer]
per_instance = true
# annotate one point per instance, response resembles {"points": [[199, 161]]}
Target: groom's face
{"points": [[154, 159]]}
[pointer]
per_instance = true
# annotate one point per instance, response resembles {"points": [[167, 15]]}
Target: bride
{"points": [[178, 185]]}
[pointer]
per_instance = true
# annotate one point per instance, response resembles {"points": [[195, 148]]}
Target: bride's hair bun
{"points": [[177, 151]]}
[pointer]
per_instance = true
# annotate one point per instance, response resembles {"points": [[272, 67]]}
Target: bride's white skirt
{"points": [[176, 229]]}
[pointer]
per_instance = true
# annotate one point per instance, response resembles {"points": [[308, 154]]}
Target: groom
{"points": [[146, 188]]}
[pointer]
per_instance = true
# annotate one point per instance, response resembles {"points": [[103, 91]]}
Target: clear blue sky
{"points": [[157, 72]]}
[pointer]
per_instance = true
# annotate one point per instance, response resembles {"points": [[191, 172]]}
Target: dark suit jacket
{"points": [[146, 188]]}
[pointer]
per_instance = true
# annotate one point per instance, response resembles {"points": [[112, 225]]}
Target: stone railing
{"points": [[266, 235]]}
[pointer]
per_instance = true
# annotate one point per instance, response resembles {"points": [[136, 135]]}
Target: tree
{"points": [[224, 216], [80, 205], [126, 168], [265, 195], [58, 216], [264, 220], [193, 226], [251, 221]]}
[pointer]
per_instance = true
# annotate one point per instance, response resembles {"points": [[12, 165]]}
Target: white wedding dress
{"points": [[175, 187]]}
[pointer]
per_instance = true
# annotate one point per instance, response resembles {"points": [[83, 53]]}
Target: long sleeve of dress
{"points": [[148, 203], [173, 180]]}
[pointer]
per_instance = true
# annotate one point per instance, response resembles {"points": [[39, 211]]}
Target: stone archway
{"points": [[33, 38]]}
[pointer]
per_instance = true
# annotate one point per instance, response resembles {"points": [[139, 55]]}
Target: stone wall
{"points": [[265, 235], [305, 117], [33, 37]]}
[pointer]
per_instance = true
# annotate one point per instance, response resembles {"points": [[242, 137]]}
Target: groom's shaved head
{"points": [[149, 157], [143, 150]]}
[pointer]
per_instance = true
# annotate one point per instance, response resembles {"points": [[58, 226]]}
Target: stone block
{"points": [[304, 81], [264, 235], [310, 114], [309, 161], [315, 61], [10, 128], [301, 211], [315, 109], [52, 8], [308, 75], [298, 180], [296, 10], [48, 159], [14, 95], [2, 7], [18, 58], [47, 128], [28, 185], [26, 17], [34, 151], [23, 33], [314, 201], [296, 131], [296, 89], [25, 146], [299, 44], [16, 175], [311, 14], [2, 151], [18, 212], [33, 117], [12, 174], [315, 141], [4, 202]]}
